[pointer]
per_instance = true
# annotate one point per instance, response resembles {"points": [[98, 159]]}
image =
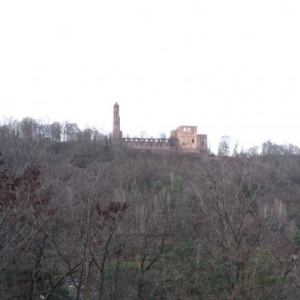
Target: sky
{"points": [[229, 67]]}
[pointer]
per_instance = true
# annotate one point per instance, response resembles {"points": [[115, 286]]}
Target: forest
{"points": [[81, 218]]}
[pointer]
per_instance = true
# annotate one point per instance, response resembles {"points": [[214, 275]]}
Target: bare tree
{"points": [[224, 146]]}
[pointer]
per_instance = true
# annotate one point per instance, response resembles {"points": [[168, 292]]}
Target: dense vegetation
{"points": [[81, 218]]}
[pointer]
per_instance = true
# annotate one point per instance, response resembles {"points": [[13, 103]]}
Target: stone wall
{"points": [[151, 144], [183, 139], [202, 143], [187, 137], [117, 133]]}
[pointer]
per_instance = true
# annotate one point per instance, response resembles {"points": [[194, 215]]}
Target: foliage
{"points": [[81, 218], [295, 237]]}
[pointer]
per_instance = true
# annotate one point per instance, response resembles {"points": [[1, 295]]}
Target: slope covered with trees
{"points": [[83, 219]]}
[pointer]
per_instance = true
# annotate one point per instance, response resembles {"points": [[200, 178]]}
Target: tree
{"points": [[70, 131], [163, 135], [143, 134], [224, 146], [229, 224], [28, 128], [55, 132]]}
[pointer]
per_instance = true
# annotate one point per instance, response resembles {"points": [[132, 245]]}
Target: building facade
{"points": [[183, 139], [189, 140]]}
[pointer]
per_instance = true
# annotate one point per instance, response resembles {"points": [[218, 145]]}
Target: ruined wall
{"points": [[202, 143], [183, 139], [150, 144], [187, 137]]}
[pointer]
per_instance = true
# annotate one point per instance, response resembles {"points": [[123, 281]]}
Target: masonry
{"points": [[183, 139]]}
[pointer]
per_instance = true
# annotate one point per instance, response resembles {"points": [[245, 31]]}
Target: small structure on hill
{"points": [[184, 138]]}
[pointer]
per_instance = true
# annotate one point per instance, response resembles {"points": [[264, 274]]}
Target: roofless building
{"points": [[184, 139]]}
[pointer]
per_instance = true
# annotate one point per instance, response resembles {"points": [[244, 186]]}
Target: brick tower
{"points": [[117, 133]]}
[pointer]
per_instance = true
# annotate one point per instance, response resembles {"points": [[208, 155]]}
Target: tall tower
{"points": [[117, 133]]}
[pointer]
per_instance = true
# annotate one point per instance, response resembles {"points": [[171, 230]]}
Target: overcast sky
{"points": [[229, 67]]}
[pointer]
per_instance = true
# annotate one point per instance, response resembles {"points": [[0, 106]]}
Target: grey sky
{"points": [[229, 67]]}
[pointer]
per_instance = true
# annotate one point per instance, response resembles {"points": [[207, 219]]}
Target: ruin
{"points": [[183, 139], [117, 133]]}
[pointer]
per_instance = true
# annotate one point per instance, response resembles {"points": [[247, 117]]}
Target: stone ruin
{"points": [[183, 139]]}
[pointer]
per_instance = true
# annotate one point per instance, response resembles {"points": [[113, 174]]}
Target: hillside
{"points": [[84, 219]]}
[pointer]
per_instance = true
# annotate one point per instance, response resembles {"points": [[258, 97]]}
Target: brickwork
{"points": [[183, 139], [202, 143], [187, 137], [151, 143], [117, 133]]}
